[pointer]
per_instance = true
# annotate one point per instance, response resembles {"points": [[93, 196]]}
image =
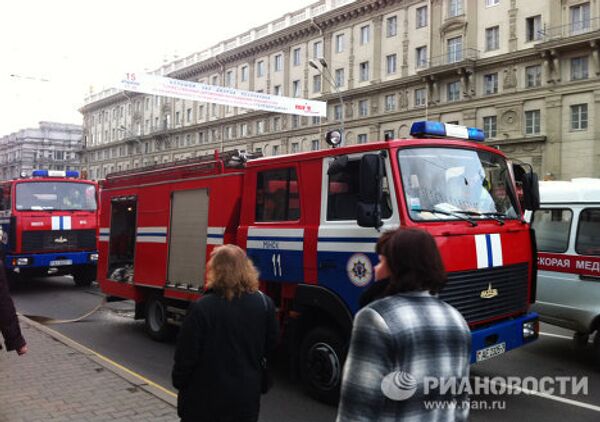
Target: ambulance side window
{"points": [[552, 228], [277, 197], [588, 232], [342, 194]]}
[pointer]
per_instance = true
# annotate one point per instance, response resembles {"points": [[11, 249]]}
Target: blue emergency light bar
{"points": [[425, 129], [55, 173]]}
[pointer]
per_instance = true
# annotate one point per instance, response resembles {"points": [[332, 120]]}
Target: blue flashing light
{"points": [[422, 129], [55, 173]]}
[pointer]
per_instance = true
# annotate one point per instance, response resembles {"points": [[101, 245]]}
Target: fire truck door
{"points": [[187, 238], [345, 251]]}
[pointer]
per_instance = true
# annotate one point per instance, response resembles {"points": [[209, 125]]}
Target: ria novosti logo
{"points": [[399, 385]]}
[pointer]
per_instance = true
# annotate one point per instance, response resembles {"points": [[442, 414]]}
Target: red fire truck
{"points": [[49, 226], [310, 222]]}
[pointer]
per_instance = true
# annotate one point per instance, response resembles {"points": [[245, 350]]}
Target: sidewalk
{"points": [[59, 380]]}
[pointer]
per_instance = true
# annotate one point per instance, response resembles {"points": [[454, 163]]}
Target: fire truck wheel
{"points": [[321, 359], [157, 326], [597, 348], [84, 277]]}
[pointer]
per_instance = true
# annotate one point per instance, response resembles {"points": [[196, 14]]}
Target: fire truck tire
{"points": [[157, 326], [84, 277], [580, 340], [322, 355]]}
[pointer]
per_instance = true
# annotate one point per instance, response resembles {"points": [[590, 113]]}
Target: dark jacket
{"points": [[9, 323], [217, 359]]}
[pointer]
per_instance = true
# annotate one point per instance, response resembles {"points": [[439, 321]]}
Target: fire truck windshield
{"points": [[39, 196], [454, 183]]}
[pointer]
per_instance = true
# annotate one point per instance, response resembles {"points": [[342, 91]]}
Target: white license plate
{"points": [[60, 262], [490, 352]]}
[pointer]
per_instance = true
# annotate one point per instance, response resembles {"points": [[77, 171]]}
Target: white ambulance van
{"points": [[567, 228]]}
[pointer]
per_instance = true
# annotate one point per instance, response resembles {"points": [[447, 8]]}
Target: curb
{"points": [[131, 377]]}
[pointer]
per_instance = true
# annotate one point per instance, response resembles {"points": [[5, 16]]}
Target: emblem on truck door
{"points": [[60, 240], [489, 293]]}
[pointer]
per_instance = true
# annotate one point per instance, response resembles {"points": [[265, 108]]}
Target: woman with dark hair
{"points": [[225, 337], [405, 336]]}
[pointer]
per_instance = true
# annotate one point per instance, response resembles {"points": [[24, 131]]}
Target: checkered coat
{"points": [[416, 334]]}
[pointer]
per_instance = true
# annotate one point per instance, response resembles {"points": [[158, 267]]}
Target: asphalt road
{"points": [[112, 332]]}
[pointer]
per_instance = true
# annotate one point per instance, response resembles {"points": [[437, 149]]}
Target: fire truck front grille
{"points": [[484, 294], [58, 240]]}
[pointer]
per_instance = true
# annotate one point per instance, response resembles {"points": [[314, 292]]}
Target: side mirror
{"points": [[529, 181], [371, 191]]}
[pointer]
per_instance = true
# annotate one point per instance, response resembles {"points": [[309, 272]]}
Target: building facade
{"points": [[527, 72], [51, 146]]}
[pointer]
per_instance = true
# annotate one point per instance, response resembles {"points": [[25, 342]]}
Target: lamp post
{"points": [[326, 74]]}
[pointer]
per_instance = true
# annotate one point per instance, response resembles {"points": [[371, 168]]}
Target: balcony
{"points": [[448, 63], [573, 29]]}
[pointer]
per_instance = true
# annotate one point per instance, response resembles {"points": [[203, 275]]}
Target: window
{"points": [[364, 34], [420, 97], [421, 57], [316, 84], [532, 122], [533, 76], [343, 190], [339, 77], [295, 147], [552, 229], [363, 108], [275, 149], [364, 71], [260, 69], [533, 28], [390, 102], [296, 88], [295, 121], [489, 126], [492, 38], [454, 49], [579, 68], [314, 145], [277, 90], [455, 8], [337, 112], [177, 118], [229, 78], [588, 232], [296, 57], [276, 123], [316, 120], [244, 129], [339, 43], [490, 3], [188, 116], [421, 18], [244, 73], [388, 135], [277, 195], [580, 18], [490, 83], [579, 117], [361, 138], [391, 26], [260, 127], [317, 49], [453, 91], [278, 63], [390, 64]]}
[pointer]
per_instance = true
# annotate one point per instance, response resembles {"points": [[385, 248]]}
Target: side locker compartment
{"points": [[187, 239]]}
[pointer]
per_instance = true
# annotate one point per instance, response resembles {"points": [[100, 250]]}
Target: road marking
{"points": [[556, 335], [547, 396]]}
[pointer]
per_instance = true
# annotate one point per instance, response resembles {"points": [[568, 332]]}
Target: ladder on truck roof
{"points": [[214, 163]]}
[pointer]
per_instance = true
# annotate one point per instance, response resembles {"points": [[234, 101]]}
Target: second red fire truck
{"points": [[310, 222]]}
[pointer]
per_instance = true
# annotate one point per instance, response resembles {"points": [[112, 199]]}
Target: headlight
{"points": [[22, 261], [93, 257], [530, 330]]}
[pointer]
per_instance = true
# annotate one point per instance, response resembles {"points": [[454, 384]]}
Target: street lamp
{"points": [[326, 74]]}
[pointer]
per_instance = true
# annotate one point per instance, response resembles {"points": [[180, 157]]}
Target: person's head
{"points": [[412, 261], [230, 272]]}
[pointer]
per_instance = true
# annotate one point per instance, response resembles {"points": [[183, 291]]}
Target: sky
{"points": [[52, 52]]}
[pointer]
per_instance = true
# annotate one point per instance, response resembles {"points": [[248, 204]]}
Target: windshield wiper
{"points": [[450, 213], [492, 214]]}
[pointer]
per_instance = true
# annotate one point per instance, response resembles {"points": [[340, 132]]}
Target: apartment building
{"points": [[50, 146], [526, 72]]}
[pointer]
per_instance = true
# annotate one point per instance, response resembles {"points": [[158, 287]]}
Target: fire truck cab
{"points": [[48, 226], [310, 222]]}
